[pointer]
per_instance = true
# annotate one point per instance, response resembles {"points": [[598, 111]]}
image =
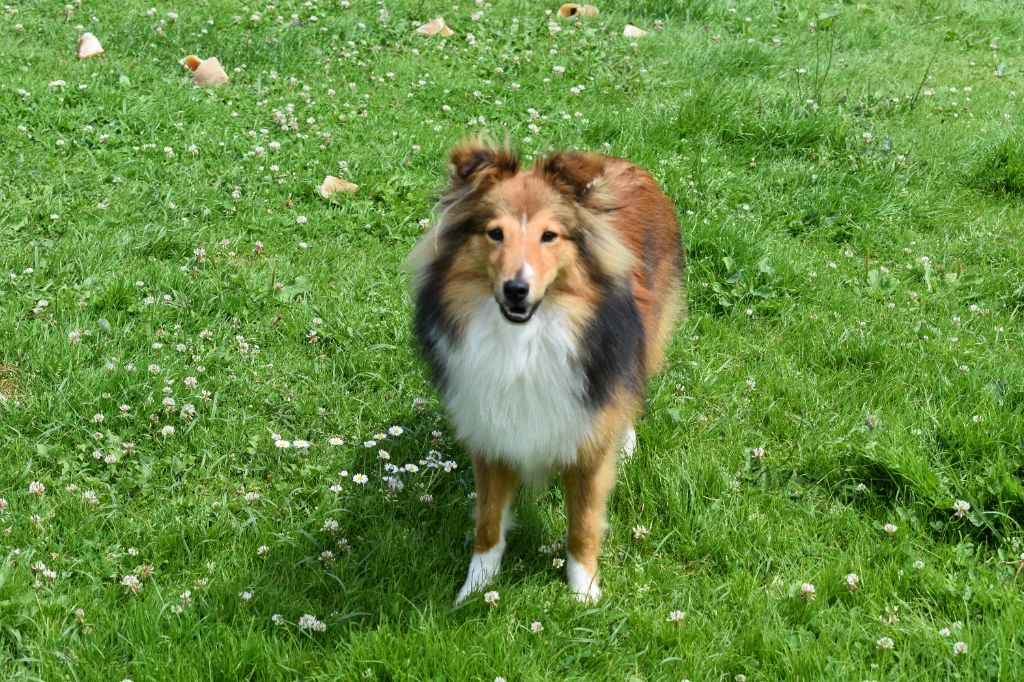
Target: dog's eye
{"points": [[495, 234], [548, 236]]}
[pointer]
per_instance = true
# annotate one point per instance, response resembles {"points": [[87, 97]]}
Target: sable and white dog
{"points": [[544, 299]]}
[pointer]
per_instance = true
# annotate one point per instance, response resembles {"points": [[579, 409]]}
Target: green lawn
{"points": [[850, 184]]}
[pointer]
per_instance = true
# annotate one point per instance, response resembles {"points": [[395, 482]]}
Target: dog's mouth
{"points": [[518, 313]]}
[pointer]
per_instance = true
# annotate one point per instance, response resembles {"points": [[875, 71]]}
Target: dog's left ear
{"points": [[574, 173]]}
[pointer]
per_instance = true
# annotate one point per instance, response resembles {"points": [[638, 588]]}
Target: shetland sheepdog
{"points": [[544, 299]]}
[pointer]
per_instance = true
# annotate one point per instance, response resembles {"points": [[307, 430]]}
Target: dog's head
{"points": [[531, 231]]}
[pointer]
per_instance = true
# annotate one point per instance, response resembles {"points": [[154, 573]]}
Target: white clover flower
{"points": [[131, 583], [890, 528], [959, 648], [309, 622], [960, 508], [852, 582], [675, 616], [167, 430], [245, 595], [36, 488], [807, 592], [640, 532], [536, 626], [491, 598], [885, 643]]}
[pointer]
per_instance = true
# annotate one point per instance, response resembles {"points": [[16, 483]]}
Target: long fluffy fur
{"points": [[559, 392]]}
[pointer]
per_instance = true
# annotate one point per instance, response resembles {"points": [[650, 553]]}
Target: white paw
{"points": [[582, 583], [629, 442], [482, 570]]}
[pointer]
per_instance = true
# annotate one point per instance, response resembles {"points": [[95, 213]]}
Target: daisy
{"points": [[361, 479]]}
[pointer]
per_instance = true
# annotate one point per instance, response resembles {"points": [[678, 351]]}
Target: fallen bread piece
{"points": [[571, 9], [332, 185], [632, 31], [89, 46], [435, 27], [206, 72]]}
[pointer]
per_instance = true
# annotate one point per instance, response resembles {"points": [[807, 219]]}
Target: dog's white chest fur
{"points": [[516, 392]]}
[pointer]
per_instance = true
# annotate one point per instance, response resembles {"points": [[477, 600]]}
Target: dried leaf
{"points": [[435, 27], [207, 73], [571, 10], [332, 185], [632, 31], [89, 46]]}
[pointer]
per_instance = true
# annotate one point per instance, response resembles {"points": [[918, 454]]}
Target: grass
{"points": [[849, 184]]}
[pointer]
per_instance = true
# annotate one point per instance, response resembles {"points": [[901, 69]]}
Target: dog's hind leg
{"points": [[629, 442], [495, 487]]}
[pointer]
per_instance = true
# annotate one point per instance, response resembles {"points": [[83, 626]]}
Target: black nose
{"points": [[516, 290]]}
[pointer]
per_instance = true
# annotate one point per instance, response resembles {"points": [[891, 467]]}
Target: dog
{"points": [[544, 299]]}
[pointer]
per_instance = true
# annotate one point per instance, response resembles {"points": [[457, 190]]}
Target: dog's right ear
{"points": [[479, 164]]}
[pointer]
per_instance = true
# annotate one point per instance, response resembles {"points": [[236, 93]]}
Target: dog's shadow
{"points": [[401, 553]]}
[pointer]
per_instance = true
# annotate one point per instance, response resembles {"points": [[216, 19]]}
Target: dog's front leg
{"points": [[587, 486], [495, 486]]}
